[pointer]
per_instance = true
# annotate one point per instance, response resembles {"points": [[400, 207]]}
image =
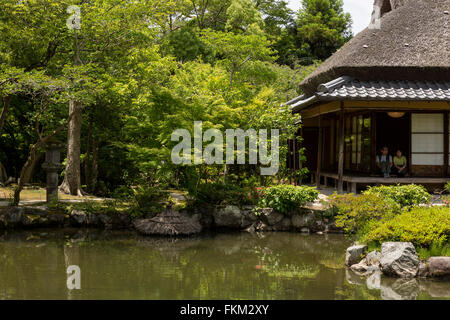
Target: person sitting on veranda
{"points": [[400, 164], [384, 162]]}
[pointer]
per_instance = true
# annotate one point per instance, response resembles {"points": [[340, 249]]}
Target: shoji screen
{"points": [[427, 139]]}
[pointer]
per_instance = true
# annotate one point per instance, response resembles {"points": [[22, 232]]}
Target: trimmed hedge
{"points": [[405, 195], [422, 226]]}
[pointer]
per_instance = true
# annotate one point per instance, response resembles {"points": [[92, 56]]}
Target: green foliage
{"points": [[286, 198], [322, 28], [421, 226], [404, 195], [447, 187], [377, 217], [357, 213], [433, 251], [221, 194], [142, 69], [148, 201]]}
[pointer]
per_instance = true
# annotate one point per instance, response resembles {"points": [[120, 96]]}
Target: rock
{"points": [[423, 271], [105, 220], [39, 210], [229, 217], [439, 266], [56, 219], [78, 217], [29, 220], [363, 268], [283, 225], [399, 259], [300, 221], [331, 228], [14, 215], [353, 254], [92, 220], [249, 214], [373, 282], [122, 220], [373, 258], [317, 226], [304, 230], [271, 216]]}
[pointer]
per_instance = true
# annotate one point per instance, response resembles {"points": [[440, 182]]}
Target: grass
{"points": [[433, 251], [34, 193]]}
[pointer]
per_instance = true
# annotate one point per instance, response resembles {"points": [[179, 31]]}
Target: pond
{"points": [[123, 265]]}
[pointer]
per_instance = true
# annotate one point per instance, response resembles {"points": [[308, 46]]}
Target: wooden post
{"points": [[446, 144], [319, 153], [341, 151]]}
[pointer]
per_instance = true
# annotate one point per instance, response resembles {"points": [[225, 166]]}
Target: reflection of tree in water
{"points": [[124, 265]]}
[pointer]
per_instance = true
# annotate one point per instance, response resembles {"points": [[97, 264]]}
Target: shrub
{"points": [[433, 251], [422, 226], [286, 198], [447, 187], [357, 213], [148, 201], [221, 194], [404, 195]]}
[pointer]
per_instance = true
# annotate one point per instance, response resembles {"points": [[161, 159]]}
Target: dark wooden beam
{"points": [[341, 151], [373, 141]]}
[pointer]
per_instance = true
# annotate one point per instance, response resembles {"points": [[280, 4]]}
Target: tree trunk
{"points": [[94, 172], [29, 173], [3, 175], [87, 160], [6, 102], [72, 184], [25, 169]]}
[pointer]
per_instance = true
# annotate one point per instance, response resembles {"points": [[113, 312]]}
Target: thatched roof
{"points": [[170, 223], [412, 44]]}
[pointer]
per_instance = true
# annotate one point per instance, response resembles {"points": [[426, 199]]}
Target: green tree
{"points": [[322, 28]]}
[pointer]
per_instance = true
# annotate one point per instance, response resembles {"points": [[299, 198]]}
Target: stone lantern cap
{"points": [[52, 156]]}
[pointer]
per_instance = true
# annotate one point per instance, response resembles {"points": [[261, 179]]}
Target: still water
{"points": [[123, 265]]}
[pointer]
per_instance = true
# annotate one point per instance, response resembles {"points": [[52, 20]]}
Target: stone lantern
{"points": [[52, 166]]}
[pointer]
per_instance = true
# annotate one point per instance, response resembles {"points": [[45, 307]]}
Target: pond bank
{"points": [[312, 218]]}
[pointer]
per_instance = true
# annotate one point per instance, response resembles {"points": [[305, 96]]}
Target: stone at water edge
{"points": [[399, 259], [230, 216], [353, 254], [271, 216], [423, 270], [373, 258], [300, 221], [78, 216], [439, 266], [363, 269]]}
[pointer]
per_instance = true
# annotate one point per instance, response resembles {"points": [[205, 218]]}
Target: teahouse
{"points": [[388, 86]]}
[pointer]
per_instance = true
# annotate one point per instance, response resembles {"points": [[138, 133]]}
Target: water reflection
{"points": [[401, 289], [123, 265]]}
